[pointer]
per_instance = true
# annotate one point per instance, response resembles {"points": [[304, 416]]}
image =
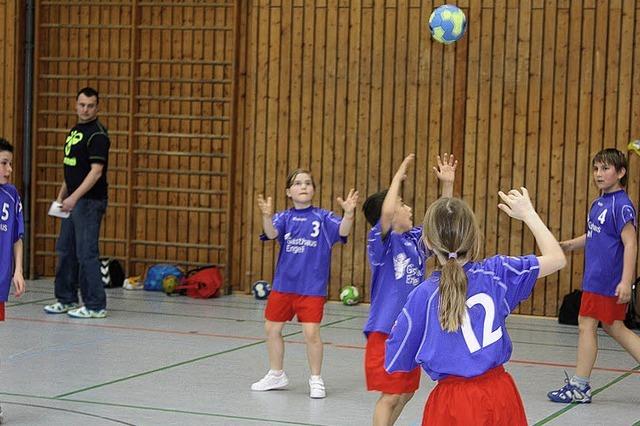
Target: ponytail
{"points": [[453, 295]]}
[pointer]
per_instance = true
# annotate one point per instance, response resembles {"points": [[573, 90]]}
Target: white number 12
{"points": [[488, 336]]}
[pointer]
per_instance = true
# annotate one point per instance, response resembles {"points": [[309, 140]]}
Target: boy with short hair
{"points": [[397, 256], [11, 232], [611, 246]]}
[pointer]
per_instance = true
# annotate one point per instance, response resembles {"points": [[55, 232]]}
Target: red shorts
{"points": [[282, 307], [377, 377], [602, 308], [489, 399], [1, 311]]}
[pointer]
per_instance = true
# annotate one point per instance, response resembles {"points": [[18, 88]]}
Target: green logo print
{"points": [[73, 138]]}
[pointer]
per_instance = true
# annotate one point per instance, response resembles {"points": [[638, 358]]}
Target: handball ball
{"points": [[447, 24], [261, 289], [169, 284], [350, 295]]}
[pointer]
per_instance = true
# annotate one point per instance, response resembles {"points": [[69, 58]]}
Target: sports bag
{"points": [[202, 283], [570, 308], [633, 309], [111, 272], [156, 273]]}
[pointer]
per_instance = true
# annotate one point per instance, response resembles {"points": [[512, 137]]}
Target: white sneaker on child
{"points": [[316, 387], [271, 381]]}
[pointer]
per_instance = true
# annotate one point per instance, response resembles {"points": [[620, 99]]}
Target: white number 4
{"points": [[488, 336], [602, 216]]}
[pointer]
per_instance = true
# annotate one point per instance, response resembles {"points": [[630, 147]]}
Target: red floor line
{"points": [[298, 342]]}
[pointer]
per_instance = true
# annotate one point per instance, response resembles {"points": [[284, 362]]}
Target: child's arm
{"points": [[446, 173], [518, 206], [18, 279], [266, 210], [628, 235], [574, 244], [390, 200], [349, 206]]}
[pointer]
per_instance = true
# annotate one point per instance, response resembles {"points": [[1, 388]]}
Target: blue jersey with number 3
{"points": [[603, 252], [495, 287], [306, 237], [11, 230]]}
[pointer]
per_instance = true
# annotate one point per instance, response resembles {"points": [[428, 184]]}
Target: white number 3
{"points": [[488, 336], [316, 228]]}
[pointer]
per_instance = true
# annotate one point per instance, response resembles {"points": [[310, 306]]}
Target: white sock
{"points": [[276, 372]]}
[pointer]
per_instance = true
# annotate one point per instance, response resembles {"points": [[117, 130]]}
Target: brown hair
{"points": [[615, 158], [452, 233], [292, 177]]}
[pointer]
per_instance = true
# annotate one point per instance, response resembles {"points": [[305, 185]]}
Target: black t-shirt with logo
{"points": [[86, 143]]}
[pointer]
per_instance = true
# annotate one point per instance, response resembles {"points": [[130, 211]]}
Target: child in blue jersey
{"points": [[306, 235], [610, 245], [11, 232], [453, 324], [396, 255]]}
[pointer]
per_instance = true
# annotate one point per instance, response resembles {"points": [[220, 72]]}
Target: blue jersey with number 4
{"points": [[306, 237], [495, 287], [603, 252], [11, 230]]}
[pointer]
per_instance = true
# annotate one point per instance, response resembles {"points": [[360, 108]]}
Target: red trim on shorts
{"points": [[282, 307], [489, 399], [1, 311], [377, 377], [603, 308]]}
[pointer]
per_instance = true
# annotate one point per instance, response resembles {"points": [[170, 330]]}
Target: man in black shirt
{"points": [[84, 195]]}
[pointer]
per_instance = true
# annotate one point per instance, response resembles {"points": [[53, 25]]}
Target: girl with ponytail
{"points": [[453, 324]]}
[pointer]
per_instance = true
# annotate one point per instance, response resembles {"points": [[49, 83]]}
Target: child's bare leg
{"points": [[311, 331], [625, 337], [587, 345], [385, 408], [404, 398], [275, 344]]}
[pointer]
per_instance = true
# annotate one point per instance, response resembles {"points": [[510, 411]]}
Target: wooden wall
{"points": [[347, 88], [164, 70], [11, 82]]}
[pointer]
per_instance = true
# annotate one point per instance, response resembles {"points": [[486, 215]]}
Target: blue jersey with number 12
{"points": [[495, 287], [306, 237], [11, 230]]}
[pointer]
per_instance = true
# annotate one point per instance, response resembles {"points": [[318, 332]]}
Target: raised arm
{"points": [[266, 210], [517, 204], [393, 193], [349, 206], [446, 173]]}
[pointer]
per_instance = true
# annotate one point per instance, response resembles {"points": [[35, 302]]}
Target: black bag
{"points": [[633, 310], [570, 308], [112, 272]]}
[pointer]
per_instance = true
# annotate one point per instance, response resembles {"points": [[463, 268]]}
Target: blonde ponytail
{"points": [[451, 230]]}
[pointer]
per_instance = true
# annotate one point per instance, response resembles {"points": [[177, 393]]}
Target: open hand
{"points": [[349, 203], [446, 170], [265, 206], [517, 204]]}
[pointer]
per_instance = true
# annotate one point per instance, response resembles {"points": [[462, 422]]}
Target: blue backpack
{"points": [[156, 273]]}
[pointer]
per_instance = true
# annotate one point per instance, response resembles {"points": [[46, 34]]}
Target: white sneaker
{"points": [[1, 415], [271, 381], [316, 387]]}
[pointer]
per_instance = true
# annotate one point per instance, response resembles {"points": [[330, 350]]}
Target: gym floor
{"points": [[173, 360]]}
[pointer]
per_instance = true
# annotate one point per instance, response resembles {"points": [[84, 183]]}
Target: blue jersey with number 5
{"points": [[495, 287], [11, 230]]}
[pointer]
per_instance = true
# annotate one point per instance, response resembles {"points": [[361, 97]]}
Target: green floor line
{"points": [[156, 409], [189, 361], [575, 404], [11, 305]]}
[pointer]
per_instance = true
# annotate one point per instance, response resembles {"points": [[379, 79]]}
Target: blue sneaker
{"points": [[571, 393]]}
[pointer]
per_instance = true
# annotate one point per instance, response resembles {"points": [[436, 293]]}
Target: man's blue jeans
{"points": [[78, 256]]}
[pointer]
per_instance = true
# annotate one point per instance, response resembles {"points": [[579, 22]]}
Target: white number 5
{"points": [[5, 211], [488, 336]]}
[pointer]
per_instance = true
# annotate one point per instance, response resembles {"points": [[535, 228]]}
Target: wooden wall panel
{"points": [[165, 73], [11, 83], [532, 91]]}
